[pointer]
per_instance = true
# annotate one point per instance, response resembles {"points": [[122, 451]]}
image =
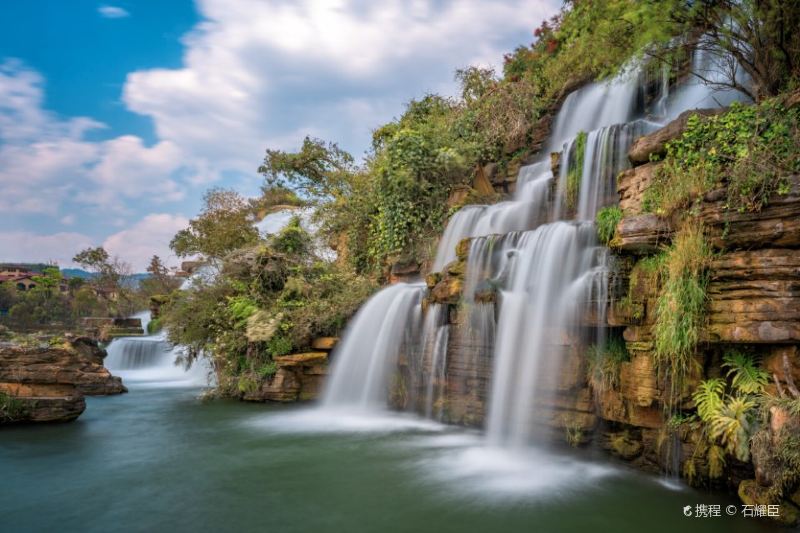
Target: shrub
{"points": [[11, 409]]}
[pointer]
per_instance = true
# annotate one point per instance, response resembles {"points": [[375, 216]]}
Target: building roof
{"points": [[17, 277]]}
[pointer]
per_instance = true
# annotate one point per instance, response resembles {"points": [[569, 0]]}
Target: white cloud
{"points": [[150, 236], [112, 12], [46, 161], [134, 245], [25, 246], [257, 70]]}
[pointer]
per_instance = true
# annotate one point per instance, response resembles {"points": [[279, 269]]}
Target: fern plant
{"points": [[708, 398], [746, 377], [733, 426]]}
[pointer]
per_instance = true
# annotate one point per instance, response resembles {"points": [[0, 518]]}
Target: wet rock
{"points": [[623, 445], [447, 291]]}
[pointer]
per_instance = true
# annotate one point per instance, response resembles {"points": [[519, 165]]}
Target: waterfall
{"points": [[152, 359], [368, 352], [536, 286]]}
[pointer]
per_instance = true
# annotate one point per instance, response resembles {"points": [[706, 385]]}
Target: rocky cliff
{"points": [[47, 382]]}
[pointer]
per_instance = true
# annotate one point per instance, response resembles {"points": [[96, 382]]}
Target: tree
{"points": [[320, 169], [758, 38], [160, 281], [109, 278], [224, 224]]}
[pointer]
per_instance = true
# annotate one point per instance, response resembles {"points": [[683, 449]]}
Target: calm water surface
{"points": [[157, 459]]}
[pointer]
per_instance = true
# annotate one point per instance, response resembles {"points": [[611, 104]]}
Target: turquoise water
{"points": [[157, 459]]}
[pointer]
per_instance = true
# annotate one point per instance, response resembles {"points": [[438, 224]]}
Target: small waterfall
{"points": [[152, 359], [435, 334], [131, 353], [363, 361], [459, 227]]}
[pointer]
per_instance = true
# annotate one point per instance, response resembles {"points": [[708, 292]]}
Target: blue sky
{"points": [[115, 117]]}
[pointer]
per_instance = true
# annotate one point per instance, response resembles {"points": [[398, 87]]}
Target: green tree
{"points": [[224, 224]]}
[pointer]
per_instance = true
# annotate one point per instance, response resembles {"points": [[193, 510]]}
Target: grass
{"points": [[11, 409], [681, 305], [606, 222], [604, 363], [575, 171]]}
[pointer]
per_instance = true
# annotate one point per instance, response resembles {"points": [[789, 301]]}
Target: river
{"points": [[159, 459]]}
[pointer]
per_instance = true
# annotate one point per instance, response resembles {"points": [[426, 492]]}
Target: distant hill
{"points": [[134, 279], [76, 273]]}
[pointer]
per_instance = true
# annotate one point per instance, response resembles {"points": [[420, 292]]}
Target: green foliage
{"points": [[589, 40], [575, 172], [606, 221], [154, 326], [11, 409], [292, 239], [268, 370], [604, 363], [746, 376], [319, 169], [709, 398], [224, 224], [732, 425], [752, 149], [681, 304]]}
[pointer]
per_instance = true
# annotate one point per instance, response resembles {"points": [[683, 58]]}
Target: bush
{"points": [[752, 149]]}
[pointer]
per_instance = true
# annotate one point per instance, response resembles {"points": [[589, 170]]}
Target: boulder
{"points": [[324, 343], [298, 377]]}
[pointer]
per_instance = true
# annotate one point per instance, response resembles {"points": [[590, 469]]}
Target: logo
{"points": [[687, 510]]}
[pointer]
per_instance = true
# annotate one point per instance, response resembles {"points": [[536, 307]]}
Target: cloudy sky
{"points": [[116, 117]]}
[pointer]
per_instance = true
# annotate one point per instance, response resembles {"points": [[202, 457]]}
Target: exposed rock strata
{"points": [[45, 383]]}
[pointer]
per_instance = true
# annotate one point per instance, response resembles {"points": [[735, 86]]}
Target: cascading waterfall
{"points": [[536, 280]]}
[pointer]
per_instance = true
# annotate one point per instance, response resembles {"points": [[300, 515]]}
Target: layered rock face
{"points": [[106, 329], [298, 377], [45, 383]]}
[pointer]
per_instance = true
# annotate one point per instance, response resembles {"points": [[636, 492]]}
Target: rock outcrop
{"points": [[298, 377], [47, 382]]}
